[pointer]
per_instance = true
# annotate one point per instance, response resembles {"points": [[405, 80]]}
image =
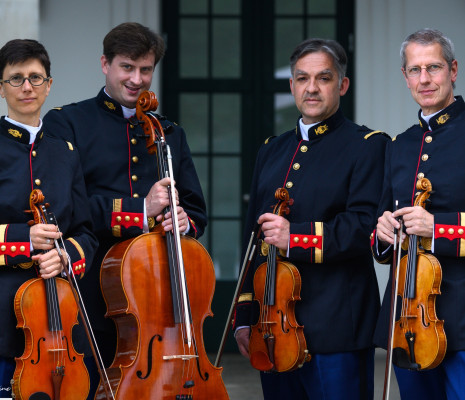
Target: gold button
{"points": [[13, 248], [127, 218], [3, 248], [135, 195], [424, 157], [428, 139], [136, 219], [118, 219], [305, 239], [134, 141], [134, 178], [83, 265], [421, 175], [451, 231], [131, 126], [303, 149], [135, 159], [315, 240], [37, 182], [296, 166], [289, 185], [296, 240], [371, 236], [441, 230], [460, 231], [34, 153], [22, 248]]}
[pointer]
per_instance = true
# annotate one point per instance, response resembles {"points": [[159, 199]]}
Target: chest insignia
{"points": [[110, 105], [443, 119], [15, 133], [321, 129]]}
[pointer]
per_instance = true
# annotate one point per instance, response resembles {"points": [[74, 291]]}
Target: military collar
{"points": [[18, 133], [444, 116], [108, 104], [323, 127]]}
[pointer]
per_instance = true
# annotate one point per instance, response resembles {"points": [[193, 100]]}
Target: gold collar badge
{"points": [[442, 119], [15, 133], [110, 105], [321, 129]]}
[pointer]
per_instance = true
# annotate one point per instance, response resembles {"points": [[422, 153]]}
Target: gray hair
{"points": [[328, 46], [426, 37]]}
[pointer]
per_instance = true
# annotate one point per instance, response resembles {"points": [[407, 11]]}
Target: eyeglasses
{"points": [[18, 80], [415, 71]]}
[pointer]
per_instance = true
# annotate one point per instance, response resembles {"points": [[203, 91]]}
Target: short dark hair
{"points": [[427, 37], [132, 40], [20, 50], [328, 46]]}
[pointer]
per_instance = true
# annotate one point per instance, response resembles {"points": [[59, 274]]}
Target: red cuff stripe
{"points": [[14, 249], [306, 241], [450, 232], [127, 219], [79, 267]]}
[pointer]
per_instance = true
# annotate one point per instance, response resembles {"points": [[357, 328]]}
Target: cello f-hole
{"points": [[149, 358]]}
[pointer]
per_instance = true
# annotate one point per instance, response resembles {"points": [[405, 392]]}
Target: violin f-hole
{"points": [[72, 359], [423, 317], [38, 351], [149, 357], [281, 314]]}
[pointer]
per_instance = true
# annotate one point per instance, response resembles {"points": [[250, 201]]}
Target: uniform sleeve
{"points": [[14, 244], [449, 237], [347, 234]]}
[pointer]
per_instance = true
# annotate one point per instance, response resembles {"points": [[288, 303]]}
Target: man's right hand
{"points": [[242, 339], [157, 199], [385, 227]]}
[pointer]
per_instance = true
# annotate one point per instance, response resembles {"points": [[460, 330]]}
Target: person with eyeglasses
{"points": [[31, 159], [432, 149]]}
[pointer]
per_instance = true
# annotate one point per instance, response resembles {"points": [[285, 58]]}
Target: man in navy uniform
{"points": [[31, 159], [433, 149], [332, 169], [127, 196]]}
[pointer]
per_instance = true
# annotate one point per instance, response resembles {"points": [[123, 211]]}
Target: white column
{"points": [[19, 19]]}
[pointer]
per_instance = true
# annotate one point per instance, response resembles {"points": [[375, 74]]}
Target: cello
{"points": [[277, 342], [419, 340], [158, 289], [50, 368]]}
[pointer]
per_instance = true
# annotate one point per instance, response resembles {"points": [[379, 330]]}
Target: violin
{"points": [[419, 340], [158, 288], [50, 368], [277, 342]]}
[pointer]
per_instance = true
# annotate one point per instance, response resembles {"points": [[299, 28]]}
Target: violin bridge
{"points": [[183, 357], [55, 350]]}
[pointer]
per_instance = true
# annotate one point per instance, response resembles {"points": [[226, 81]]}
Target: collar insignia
{"points": [[110, 105], [321, 129], [443, 119], [15, 133]]}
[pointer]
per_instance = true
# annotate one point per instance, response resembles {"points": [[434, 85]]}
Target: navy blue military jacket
{"points": [[439, 155], [51, 165], [119, 172], [335, 181]]}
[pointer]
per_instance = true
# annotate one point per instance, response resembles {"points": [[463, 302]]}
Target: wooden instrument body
{"points": [[33, 369], [420, 317], [135, 282], [289, 350]]}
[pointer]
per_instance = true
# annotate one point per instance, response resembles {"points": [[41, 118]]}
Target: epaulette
{"points": [[268, 139], [373, 133]]}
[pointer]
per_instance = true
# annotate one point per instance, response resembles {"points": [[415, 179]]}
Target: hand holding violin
{"points": [[276, 230]]}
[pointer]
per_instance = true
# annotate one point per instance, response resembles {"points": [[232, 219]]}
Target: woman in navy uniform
{"points": [[432, 149], [126, 192], [31, 159], [332, 169]]}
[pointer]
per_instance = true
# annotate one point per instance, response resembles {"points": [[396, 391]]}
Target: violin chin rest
{"points": [[260, 360], [39, 396]]}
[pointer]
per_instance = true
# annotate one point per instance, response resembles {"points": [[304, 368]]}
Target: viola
{"points": [[419, 340], [277, 342], [158, 288], [50, 368]]}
